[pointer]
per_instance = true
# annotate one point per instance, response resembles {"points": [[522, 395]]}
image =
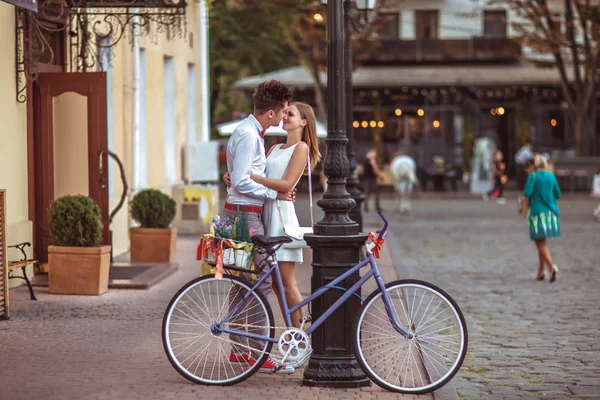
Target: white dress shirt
{"points": [[245, 156], [523, 155]]}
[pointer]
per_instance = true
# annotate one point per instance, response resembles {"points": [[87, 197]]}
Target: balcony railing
{"points": [[478, 49]]}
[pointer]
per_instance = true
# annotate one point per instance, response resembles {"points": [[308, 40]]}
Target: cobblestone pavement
{"points": [[527, 339]]}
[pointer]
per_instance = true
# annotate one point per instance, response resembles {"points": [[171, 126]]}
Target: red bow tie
{"points": [[262, 133]]}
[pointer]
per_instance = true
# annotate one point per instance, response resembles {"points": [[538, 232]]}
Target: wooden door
{"points": [[58, 99]]}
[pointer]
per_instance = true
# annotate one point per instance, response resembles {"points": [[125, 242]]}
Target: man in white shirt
{"points": [[524, 154], [246, 156]]}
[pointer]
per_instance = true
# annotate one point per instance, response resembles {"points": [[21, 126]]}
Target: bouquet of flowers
{"points": [[222, 227], [228, 244]]}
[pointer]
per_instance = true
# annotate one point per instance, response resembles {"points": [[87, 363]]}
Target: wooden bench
{"points": [[22, 264]]}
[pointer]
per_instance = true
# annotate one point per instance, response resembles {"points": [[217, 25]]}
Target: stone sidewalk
{"points": [[109, 347]]}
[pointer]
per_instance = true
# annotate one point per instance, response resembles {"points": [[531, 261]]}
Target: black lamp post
{"points": [[352, 21], [337, 241]]}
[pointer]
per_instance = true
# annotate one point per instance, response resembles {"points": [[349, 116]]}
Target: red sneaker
{"points": [[268, 366], [239, 358]]}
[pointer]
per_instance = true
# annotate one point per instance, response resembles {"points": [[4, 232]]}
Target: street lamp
{"points": [[355, 18], [337, 241]]}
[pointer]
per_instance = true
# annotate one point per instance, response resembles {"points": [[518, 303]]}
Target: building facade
{"points": [[72, 95]]}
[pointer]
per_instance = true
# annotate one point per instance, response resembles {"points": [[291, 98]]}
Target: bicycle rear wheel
{"points": [[428, 360], [209, 356]]}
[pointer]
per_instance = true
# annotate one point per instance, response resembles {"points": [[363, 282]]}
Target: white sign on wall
{"points": [[202, 162]]}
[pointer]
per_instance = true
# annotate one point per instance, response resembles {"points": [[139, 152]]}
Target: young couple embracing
{"points": [[261, 184]]}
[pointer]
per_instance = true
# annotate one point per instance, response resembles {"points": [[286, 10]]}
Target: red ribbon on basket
{"points": [[215, 247], [373, 237], [219, 264]]}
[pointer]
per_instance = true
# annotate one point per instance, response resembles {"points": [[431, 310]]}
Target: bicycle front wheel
{"points": [[431, 357], [198, 349]]}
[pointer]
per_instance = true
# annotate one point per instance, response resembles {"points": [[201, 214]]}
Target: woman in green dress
{"points": [[541, 192]]}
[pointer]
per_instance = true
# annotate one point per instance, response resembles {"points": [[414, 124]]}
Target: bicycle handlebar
{"points": [[383, 230]]}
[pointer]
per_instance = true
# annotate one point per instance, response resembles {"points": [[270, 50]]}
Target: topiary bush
{"points": [[153, 209], [75, 221]]}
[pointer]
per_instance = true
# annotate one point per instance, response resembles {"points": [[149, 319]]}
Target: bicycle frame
{"points": [[287, 312]]}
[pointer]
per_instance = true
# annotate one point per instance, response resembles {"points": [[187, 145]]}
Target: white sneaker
{"points": [[501, 201]]}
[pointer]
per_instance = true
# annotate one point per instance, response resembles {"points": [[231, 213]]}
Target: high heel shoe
{"points": [[540, 277], [554, 273]]}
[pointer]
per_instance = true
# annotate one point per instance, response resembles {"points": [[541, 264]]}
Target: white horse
{"points": [[404, 172]]}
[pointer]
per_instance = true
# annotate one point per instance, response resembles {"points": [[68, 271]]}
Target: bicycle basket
{"points": [[227, 253]]}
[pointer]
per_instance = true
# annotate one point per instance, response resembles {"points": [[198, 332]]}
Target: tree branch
{"points": [[535, 15], [570, 27]]}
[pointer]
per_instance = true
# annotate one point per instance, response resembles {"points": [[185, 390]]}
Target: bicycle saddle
{"points": [[268, 242]]}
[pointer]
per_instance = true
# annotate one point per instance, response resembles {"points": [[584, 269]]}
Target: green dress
{"points": [[543, 218]]}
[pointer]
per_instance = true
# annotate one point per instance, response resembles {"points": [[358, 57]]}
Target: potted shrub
{"points": [[154, 240], [77, 263]]}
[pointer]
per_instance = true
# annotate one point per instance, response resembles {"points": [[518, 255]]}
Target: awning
{"points": [[418, 76], [31, 5], [227, 129]]}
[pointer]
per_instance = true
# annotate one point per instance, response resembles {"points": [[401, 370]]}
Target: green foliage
{"points": [[245, 40], [75, 221], [153, 209], [241, 229]]}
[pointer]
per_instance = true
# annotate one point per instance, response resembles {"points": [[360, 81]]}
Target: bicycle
{"points": [[427, 334]]}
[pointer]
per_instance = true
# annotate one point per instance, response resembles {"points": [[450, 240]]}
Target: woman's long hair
{"points": [[309, 134]]}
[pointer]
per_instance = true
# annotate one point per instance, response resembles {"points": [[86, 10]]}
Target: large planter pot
{"points": [[78, 270], [153, 244]]}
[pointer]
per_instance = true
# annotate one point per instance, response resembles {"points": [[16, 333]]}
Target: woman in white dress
{"points": [[285, 165]]}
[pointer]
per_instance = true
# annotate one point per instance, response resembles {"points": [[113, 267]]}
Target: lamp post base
{"points": [[333, 362], [334, 372]]}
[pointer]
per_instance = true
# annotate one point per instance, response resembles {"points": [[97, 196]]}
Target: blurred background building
{"points": [[440, 74]]}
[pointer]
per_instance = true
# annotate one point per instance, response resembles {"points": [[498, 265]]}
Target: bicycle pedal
{"points": [[303, 321], [298, 363]]}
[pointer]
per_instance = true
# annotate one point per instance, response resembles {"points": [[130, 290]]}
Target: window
{"points": [[191, 113], [494, 23], [427, 24], [169, 121], [142, 167], [389, 25], [557, 28]]}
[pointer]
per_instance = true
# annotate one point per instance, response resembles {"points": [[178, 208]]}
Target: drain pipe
{"points": [[204, 71], [136, 102]]}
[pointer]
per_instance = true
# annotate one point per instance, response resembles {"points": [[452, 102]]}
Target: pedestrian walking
{"points": [[522, 157], [498, 168], [596, 192], [371, 176], [541, 192]]}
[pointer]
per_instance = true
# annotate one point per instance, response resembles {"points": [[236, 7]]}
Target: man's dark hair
{"points": [[271, 95]]}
